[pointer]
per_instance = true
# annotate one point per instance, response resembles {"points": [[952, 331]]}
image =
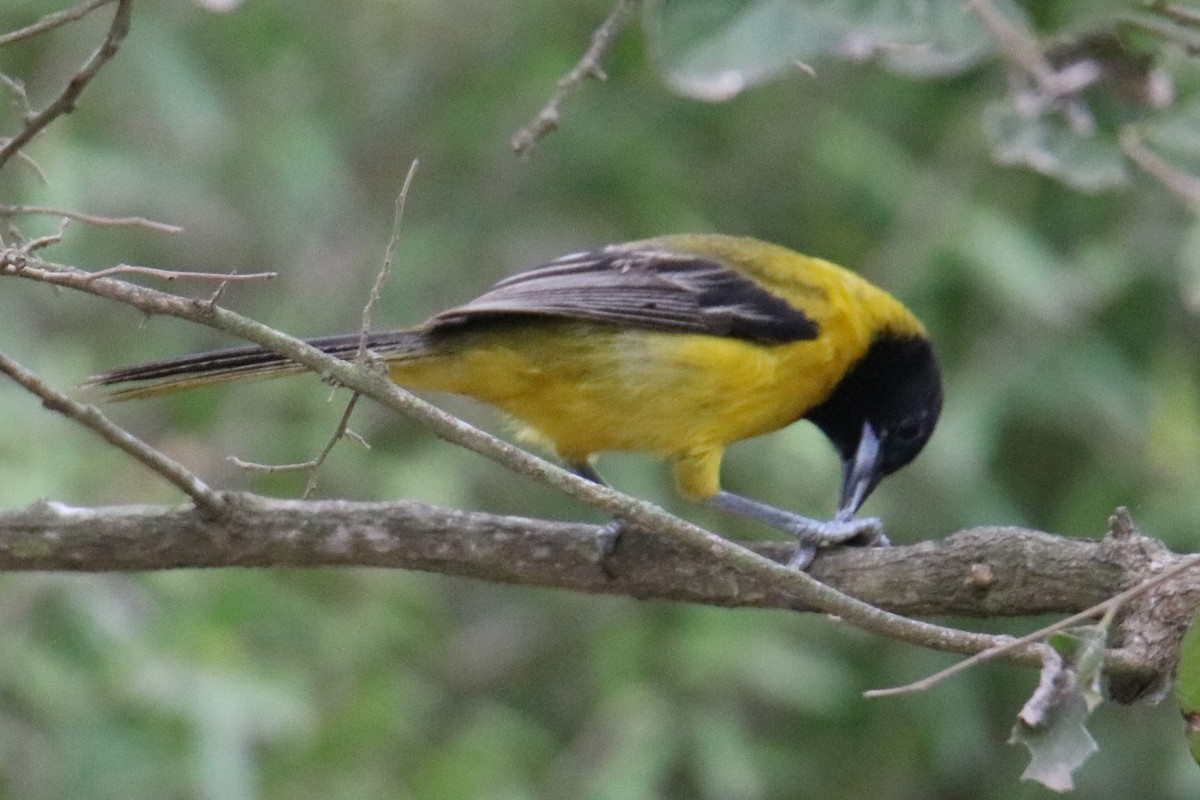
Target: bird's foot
{"points": [[812, 534], [608, 538]]}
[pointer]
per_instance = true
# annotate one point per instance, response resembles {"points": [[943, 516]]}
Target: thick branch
{"points": [[982, 572]]}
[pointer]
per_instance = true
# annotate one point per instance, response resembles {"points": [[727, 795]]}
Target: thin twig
{"points": [[342, 431], [1040, 635], [313, 465], [175, 275], [1183, 16], [1169, 30], [641, 515], [33, 245], [588, 67], [17, 88], [91, 417], [1182, 184], [389, 255], [32, 163], [52, 21], [90, 219], [65, 102], [1023, 50]]}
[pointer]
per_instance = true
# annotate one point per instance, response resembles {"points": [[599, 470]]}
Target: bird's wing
{"points": [[654, 289]]}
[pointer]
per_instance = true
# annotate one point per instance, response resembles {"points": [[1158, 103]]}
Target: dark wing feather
{"points": [[645, 289]]}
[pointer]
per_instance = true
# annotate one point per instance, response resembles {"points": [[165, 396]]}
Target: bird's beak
{"points": [[860, 474]]}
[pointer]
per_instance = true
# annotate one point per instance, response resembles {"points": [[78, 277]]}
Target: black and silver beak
{"points": [[861, 474]]}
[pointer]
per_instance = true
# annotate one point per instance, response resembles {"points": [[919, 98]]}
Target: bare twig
{"points": [[170, 275], [32, 163], [341, 431], [1182, 184], [1165, 27], [91, 417], [313, 464], [41, 242], [90, 219], [1188, 17], [18, 91], [52, 21], [65, 102], [588, 67], [640, 515], [1041, 634], [389, 255], [1023, 50]]}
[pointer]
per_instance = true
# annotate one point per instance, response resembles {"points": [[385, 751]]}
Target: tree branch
{"points": [[91, 418], [982, 572], [1033, 572], [588, 67], [90, 219], [65, 102]]}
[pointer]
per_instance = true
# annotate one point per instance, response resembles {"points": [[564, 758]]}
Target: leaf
{"points": [[1187, 686], [1170, 148], [715, 49], [1084, 646], [1051, 726], [1046, 142]]}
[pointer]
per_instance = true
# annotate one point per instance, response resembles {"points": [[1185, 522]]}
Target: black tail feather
{"points": [[202, 369]]}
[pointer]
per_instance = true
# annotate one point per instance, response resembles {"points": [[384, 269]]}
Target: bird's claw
{"points": [[608, 538], [866, 531]]}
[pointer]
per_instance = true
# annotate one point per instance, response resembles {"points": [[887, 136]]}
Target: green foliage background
{"points": [[279, 135]]}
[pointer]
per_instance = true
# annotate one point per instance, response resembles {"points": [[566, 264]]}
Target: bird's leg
{"points": [[610, 534], [810, 533]]}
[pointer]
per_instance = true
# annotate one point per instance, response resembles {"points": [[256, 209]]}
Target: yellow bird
{"points": [[676, 346]]}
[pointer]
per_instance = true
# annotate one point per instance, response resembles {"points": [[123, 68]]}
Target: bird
{"points": [[677, 346]]}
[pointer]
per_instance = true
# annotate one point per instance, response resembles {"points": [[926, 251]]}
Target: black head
{"points": [[881, 413]]}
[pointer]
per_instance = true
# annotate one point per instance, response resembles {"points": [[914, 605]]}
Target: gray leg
{"points": [[610, 534], [810, 533]]}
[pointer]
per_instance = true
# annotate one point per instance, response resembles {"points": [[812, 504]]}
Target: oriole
{"points": [[676, 346]]}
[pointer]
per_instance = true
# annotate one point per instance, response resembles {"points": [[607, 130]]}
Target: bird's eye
{"points": [[908, 431]]}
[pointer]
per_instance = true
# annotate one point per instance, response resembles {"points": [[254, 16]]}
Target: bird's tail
{"points": [[241, 363]]}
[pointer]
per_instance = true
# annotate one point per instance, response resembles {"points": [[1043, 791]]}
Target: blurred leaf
{"points": [[488, 755], [1083, 647], [1177, 132], [1168, 147], [1046, 142], [712, 656], [1173, 435], [715, 49], [230, 716], [725, 762], [626, 750], [1187, 685], [1052, 723], [1189, 268], [1020, 270]]}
